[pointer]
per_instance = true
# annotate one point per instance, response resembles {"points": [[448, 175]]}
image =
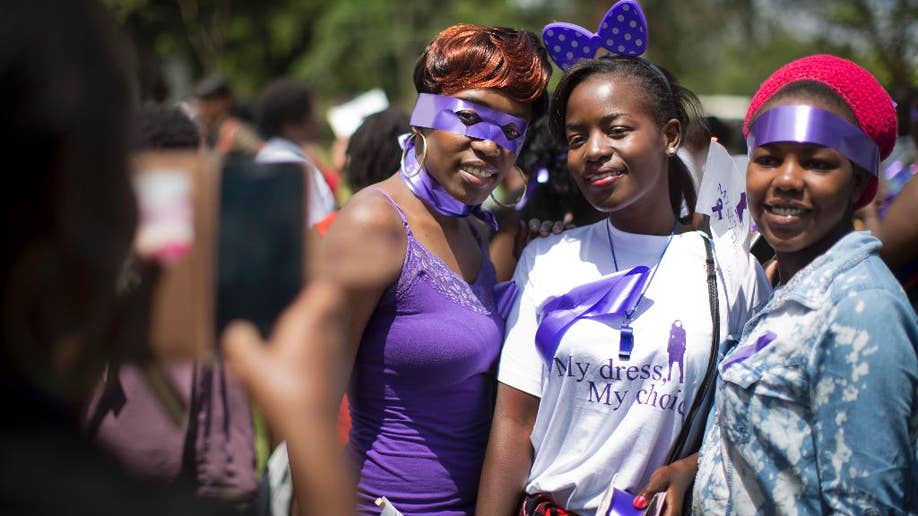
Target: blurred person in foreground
{"points": [[221, 130], [126, 416], [212, 449], [423, 342], [285, 118], [67, 110]]}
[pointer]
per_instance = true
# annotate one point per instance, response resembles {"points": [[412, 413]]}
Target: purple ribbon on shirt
{"points": [[432, 193], [442, 112], [808, 124], [747, 350], [612, 295]]}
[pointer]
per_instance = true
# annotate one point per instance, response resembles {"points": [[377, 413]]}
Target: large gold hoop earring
{"points": [[414, 134], [523, 196]]}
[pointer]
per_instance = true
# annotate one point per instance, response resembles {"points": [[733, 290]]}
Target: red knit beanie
{"points": [[872, 106]]}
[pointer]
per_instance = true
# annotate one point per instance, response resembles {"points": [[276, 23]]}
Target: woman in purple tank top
{"points": [[425, 332]]}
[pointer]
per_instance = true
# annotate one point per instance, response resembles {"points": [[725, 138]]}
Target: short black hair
{"points": [[165, 128], [373, 151], [283, 101]]}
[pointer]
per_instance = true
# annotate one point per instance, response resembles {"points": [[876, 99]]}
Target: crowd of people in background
{"points": [[513, 303]]}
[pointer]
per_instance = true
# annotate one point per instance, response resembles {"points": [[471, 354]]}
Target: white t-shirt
{"points": [[598, 415], [321, 200]]}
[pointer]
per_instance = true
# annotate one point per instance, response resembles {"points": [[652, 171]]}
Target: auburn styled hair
{"points": [[465, 56]]}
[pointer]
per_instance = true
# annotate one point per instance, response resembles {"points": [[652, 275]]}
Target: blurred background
{"points": [[721, 49]]}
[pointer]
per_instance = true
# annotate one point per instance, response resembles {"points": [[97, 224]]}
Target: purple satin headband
{"points": [[442, 112], [807, 124]]}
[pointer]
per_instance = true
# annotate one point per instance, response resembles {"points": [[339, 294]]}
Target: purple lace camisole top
{"points": [[423, 384]]}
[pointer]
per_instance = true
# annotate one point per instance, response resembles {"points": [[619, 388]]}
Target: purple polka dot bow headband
{"points": [[622, 31]]}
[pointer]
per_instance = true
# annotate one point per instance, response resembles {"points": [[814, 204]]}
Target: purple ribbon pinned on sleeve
{"points": [[505, 294], [612, 295], [747, 350]]}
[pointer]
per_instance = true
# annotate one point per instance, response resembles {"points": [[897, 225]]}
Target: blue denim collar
{"points": [[808, 286]]}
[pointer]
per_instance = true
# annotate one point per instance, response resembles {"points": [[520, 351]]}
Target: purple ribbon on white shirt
{"points": [[432, 193], [612, 295], [442, 112], [808, 124]]}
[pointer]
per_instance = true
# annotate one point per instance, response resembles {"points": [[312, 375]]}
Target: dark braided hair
{"points": [[372, 152]]}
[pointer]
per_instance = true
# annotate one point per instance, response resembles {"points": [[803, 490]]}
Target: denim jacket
{"points": [[816, 410]]}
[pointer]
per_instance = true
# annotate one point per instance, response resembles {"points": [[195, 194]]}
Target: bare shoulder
{"points": [[365, 246], [368, 210]]}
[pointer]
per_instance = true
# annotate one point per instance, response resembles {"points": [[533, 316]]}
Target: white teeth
{"points": [[482, 173], [594, 177], [786, 212]]}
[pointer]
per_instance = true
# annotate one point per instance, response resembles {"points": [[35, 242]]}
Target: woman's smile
{"points": [[604, 176], [479, 174], [616, 149]]}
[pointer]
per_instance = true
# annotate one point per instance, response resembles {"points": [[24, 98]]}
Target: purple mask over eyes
{"points": [[441, 112], [807, 124]]}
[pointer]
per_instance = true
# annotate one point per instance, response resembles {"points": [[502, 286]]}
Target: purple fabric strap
{"points": [[807, 124], [613, 295], [441, 112], [431, 193], [505, 294]]}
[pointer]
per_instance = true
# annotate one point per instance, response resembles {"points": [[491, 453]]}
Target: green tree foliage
{"points": [[883, 33], [342, 47]]}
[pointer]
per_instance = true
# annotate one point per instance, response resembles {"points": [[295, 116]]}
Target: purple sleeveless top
{"points": [[422, 390]]}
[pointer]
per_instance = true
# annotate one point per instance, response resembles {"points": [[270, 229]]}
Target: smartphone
{"points": [[222, 240], [260, 244], [762, 251]]}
